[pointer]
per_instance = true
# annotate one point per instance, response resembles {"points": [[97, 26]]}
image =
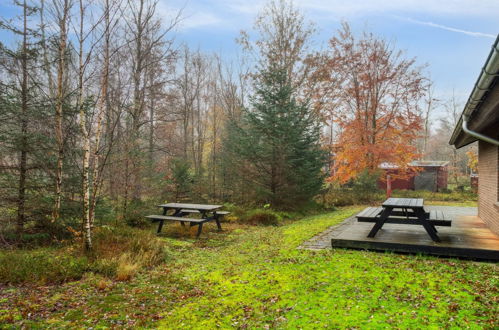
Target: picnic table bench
{"points": [[408, 211], [204, 212]]}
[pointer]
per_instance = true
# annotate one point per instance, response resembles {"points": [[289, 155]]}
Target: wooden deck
{"points": [[468, 237]]}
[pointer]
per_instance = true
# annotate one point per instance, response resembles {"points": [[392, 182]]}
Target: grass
{"points": [[118, 253], [344, 196], [452, 203], [436, 197], [254, 277]]}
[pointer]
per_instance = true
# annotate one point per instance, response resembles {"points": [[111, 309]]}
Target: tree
{"points": [[430, 103], [276, 145], [15, 99], [439, 147], [147, 49], [284, 38], [181, 178], [62, 9], [472, 160], [376, 103]]}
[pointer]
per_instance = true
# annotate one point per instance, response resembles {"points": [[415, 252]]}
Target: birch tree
{"points": [[62, 9]]}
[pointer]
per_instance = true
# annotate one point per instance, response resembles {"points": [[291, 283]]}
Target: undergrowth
{"points": [[119, 253]]}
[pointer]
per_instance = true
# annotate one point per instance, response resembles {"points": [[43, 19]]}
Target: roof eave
{"points": [[479, 92]]}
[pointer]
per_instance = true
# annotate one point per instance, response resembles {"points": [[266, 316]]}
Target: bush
{"points": [[337, 197], [136, 212], [263, 217], [236, 212]]}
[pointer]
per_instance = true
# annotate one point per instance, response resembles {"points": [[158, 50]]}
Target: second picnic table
{"points": [[406, 210], [206, 213]]}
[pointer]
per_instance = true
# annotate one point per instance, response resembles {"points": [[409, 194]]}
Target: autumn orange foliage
{"points": [[472, 160], [374, 104]]}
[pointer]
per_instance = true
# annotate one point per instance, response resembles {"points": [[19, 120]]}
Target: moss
{"points": [[255, 277]]}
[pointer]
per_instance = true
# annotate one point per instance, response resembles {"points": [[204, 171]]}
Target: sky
{"points": [[453, 37]]}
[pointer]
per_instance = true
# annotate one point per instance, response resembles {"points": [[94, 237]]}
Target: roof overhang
{"points": [[482, 108]]}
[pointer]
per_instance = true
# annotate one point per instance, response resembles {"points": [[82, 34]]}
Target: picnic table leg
{"points": [[381, 221], [178, 213], [160, 226], [430, 229], [200, 229], [219, 226]]}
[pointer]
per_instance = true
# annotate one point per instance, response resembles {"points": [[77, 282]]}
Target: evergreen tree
{"points": [[17, 106], [275, 147]]}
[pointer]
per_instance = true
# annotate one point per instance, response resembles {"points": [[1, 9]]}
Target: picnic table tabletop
{"points": [[403, 202], [203, 207]]}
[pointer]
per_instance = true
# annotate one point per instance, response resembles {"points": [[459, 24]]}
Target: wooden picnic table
{"points": [[411, 208], [204, 213]]}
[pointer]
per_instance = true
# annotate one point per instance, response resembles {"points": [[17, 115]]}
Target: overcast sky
{"points": [[453, 37]]}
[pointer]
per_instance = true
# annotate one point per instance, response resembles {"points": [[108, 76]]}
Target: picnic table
{"points": [[180, 211], [404, 211]]}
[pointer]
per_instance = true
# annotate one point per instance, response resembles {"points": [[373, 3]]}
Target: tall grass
{"points": [[119, 253]]}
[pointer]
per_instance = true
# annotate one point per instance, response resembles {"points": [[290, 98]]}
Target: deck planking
{"points": [[468, 237]]}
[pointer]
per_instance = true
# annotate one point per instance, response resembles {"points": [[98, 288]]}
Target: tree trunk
{"points": [[59, 109], [87, 228], [24, 127], [101, 107]]}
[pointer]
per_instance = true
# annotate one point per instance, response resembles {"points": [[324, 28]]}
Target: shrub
{"points": [[236, 212], [264, 217], [136, 212], [337, 197], [365, 186]]}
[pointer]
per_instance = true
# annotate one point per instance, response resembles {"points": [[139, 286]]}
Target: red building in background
{"points": [[432, 176]]}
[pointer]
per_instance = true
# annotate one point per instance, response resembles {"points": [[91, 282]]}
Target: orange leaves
{"points": [[472, 160], [362, 149], [374, 101]]}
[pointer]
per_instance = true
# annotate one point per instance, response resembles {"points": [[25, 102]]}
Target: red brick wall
{"points": [[488, 185]]}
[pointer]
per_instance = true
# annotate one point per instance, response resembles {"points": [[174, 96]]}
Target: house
{"points": [[430, 175], [480, 122]]}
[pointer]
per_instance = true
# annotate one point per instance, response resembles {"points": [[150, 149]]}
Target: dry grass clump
{"points": [[263, 217], [119, 253], [122, 252]]}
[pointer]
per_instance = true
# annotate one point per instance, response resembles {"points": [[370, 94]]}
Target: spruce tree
{"points": [[275, 146]]}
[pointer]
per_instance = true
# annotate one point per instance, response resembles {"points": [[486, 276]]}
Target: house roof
{"points": [[429, 163], [415, 163], [482, 107]]}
